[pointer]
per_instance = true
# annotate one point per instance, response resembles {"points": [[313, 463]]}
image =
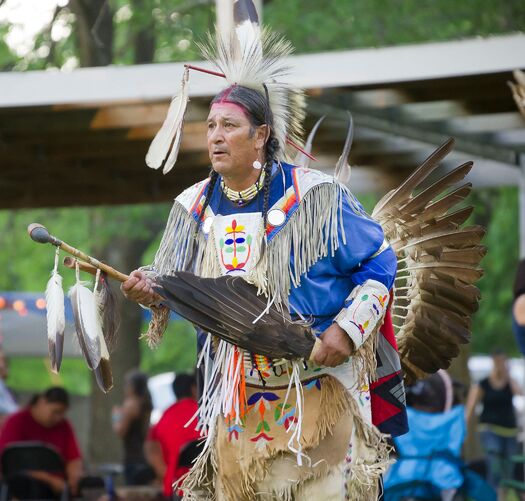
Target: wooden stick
{"points": [[40, 234], [70, 262]]}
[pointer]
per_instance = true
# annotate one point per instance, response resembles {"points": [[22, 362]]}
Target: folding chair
{"points": [[429, 465], [20, 457]]}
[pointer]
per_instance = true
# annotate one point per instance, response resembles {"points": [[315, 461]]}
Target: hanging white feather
{"points": [[88, 323], [56, 322], [167, 141]]}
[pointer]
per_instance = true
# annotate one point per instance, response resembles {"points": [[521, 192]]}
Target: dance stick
{"points": [[40, 234]]}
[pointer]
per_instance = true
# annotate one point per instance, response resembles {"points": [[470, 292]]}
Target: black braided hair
{"points": [[272, 146], [214, 176]]}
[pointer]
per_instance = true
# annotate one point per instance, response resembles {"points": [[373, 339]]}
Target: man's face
{"points": [[231, 145]]}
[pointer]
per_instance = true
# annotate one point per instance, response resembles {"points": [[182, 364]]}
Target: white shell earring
{"points": [[257, 165]]}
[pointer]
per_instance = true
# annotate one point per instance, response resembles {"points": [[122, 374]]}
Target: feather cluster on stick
{"points": [[56, 322], [230, 308], [438, 264], [88, 323]]}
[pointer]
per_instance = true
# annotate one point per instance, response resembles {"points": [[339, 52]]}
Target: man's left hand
{"points": [[336, 347]]}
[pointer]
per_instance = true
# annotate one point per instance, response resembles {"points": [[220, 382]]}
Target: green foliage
{"points": [[176, 352], [34, 374], [492, 323], [313, 26], [26, 265]]}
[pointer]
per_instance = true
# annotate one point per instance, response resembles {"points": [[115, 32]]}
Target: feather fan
{"points": [[438, 264], [230, 308], [56, 323], [89, 333]]}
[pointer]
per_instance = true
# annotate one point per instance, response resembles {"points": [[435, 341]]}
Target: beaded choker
{"points": [[244, 196]]}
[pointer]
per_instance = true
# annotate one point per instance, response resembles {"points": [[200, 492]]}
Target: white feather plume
{"points": [[167, 141], [260, 60], [56, 322]]}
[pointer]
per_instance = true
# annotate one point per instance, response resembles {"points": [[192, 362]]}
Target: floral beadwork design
{"points": [[234, 430], [267, 405], [235, 247], [262, 402], [364, 395], [366, 301]]}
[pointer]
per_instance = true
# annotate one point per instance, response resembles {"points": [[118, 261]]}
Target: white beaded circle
{"points": [[276, 217]]}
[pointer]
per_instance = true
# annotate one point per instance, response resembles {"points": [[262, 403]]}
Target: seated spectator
{"points": [[170, 435], [44, 421], [131, 424], [8, 403]]}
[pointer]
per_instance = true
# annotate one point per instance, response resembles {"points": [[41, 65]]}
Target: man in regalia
{"points": [[303, 429]]}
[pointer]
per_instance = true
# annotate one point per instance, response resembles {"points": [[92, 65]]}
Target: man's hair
{"points": [[54, 395], [183, 385]]}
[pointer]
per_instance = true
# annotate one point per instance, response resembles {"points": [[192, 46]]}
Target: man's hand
{"points": [[139, 288], [336, 347]]}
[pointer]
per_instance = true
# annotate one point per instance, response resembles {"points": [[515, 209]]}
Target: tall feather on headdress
{"points": [[438, 263], [56, 322]]}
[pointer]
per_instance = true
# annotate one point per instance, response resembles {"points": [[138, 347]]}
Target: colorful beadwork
{"points": [[235, 247]]}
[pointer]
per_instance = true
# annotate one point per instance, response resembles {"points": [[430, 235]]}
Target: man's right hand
{"points": [[139, 288]]}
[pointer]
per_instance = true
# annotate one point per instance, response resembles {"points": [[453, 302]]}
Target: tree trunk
{"points": [[105, 446], [94, 19], [94, 23], [144, 40]]}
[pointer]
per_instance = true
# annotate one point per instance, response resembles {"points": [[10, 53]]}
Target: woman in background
{"points": [[131, 423], [497, 422]]}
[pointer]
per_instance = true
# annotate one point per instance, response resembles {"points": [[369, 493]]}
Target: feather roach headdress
{"points": [[249, 57]]}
